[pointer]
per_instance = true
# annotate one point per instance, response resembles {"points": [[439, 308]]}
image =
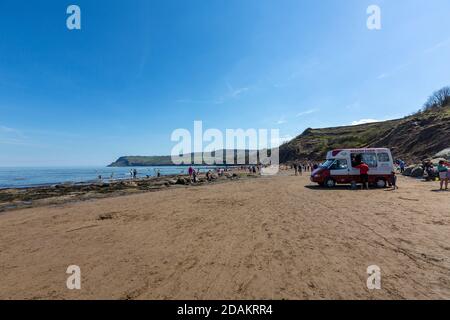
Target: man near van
{"points": [[364, 175]]}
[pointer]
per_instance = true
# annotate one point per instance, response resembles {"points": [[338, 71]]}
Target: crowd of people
{"points": [[299, 168], [440, 172]]}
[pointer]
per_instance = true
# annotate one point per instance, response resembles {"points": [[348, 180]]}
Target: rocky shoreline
{"points": [[15, 198]]}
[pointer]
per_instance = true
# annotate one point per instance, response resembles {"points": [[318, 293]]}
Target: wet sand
{"points": [[267, 238]]}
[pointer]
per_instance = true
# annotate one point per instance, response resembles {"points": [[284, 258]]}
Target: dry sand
{"points": [[267, 238]]}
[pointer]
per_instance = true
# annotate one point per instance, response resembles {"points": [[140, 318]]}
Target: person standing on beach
{"points": [[443, 175], [402, 166], [300, 171], [296, 169], [364, 175], [190, 171], [394, 180], [194, 176]]}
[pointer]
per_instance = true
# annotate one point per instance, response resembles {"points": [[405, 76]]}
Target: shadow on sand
{"points": [[439, 190], [338, 187], [346, 187]]}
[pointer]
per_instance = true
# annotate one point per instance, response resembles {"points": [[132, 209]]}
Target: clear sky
{"points": [[137, 70]]}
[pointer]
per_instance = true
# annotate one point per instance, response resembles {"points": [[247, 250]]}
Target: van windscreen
{"points": [[327, 164]]}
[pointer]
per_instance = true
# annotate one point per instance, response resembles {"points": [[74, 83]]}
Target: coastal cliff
{"points": [[147, 161], [412, 138]]}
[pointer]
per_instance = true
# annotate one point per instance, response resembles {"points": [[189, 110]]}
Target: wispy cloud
{"points": [[300, 69], [365, 121], [16, 137], [405, 66], [16, 142], [232, 94], [281, 121], [11, 136], [274, 143], [304, 113], [353, 106], [438, 46], [199, 101], [395, 71], [5, 129], [236, 92]]}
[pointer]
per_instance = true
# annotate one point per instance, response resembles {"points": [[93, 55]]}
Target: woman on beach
{"points": [[443, 175]]}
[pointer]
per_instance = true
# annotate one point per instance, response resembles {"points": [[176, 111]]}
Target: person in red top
{"points": [[364, 175]]}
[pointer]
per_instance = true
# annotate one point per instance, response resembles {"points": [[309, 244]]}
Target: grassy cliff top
{"points": [[411, 138]]}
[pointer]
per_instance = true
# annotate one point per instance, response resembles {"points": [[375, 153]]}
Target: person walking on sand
{"points": [[190, 171], [296, 169], [300, 169], [443, 175], [394, 180], [364, 175], [402, 165]]}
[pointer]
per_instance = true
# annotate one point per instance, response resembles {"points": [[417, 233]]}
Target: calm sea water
{"points": [[29, 177]]}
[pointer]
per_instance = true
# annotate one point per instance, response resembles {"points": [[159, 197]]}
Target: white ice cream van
{"points": [[340, 167]]}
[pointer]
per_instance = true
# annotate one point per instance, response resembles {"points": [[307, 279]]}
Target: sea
{"points": [[25, 177]]}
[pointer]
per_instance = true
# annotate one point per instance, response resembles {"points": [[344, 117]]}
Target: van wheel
{"points": [[381, 183], [330, 183]]}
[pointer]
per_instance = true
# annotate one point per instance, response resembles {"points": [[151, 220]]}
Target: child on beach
{"points": [[394, 180], [443, 175]]}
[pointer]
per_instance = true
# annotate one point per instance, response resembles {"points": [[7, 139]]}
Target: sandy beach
{"points": [[268, 238]]}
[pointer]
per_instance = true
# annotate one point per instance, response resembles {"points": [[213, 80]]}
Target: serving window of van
{"points": [[383, 157], [368, 158]]}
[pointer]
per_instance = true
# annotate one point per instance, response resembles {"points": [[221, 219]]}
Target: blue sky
{"points": [[137, 70]]}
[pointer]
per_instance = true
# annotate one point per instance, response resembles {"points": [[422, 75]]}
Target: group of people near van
{"points": [[443, 169], [299, 168]]}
